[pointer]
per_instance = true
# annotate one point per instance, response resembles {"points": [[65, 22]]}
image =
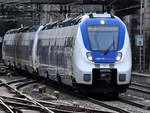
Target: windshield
{"points": [[103, 38]]}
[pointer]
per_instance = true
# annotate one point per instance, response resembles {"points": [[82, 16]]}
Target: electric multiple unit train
{"points": [[91, 52]]}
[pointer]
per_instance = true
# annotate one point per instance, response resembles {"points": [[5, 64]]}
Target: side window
{"points": [[68, 42], [39, 50], [30, 47], [4, 45], [71, 41], [38, 47]]}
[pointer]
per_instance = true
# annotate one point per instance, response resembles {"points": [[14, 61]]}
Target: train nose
{"points": [[100, 58]]}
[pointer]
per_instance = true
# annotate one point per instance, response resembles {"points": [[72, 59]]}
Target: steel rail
{"points": [[6, 106], [52, 108], [29, 98], [18, 80], [72, 108], [17, 104], [93, 100], [139, 90], [50, 105], [16, 99], [12, 82], [140, 85], [57, 108], [142, 106], [106, 105], [25, 83]]}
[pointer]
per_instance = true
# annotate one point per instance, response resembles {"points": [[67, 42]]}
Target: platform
{"points": [[140, 78]]}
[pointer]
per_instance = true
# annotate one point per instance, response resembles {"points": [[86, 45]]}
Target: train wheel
{"points": [[74, 84], [59, 79], [114, 95], [78, 91]]}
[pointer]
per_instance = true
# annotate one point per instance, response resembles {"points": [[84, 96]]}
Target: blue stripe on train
{"points": [[97, 56]]}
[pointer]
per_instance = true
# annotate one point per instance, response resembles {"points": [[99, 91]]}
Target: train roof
{"points": [[24, 29], [75, 21], [61, 23]]}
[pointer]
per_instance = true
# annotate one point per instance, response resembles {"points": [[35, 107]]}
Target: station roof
{"points": [[121, 7], [95, 2], [40, 1]]}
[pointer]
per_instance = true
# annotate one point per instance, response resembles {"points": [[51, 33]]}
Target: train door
{"points": [[18, 39], [60, 58], [53, 59], [67, 61], [68, 53]]}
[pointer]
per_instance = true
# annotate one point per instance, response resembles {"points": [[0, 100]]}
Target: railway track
{"points": [[140, 87], [139, 90], [105, 103], [120, 110], [37, 104], [134, 103], [27, 102], [21, 101], [34, 102]]}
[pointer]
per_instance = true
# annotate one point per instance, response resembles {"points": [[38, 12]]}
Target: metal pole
{"points": [[144, 33], [140, 63], [141, 18], [103, 6], [33, 14], [140, 58]]}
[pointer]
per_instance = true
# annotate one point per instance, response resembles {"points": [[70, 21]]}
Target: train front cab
{"points": [[102, 56]]}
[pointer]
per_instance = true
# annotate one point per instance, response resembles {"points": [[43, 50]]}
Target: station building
{"points": [[133, 23]]}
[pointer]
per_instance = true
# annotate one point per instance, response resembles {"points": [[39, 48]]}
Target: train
{"points": [[91, 52]]}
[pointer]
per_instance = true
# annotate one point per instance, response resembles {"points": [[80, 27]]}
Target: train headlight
{"points": [[119, 56], [89, 56], [102, 22]]}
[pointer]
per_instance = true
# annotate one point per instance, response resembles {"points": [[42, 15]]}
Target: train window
{"points": [[24, 29], [103, 38], [30, 46], [33, 28], [11, 32], [65, 45], [26, 53], [71, 41], [4, 43], [38, 47], [7, 32], [68, 42]]}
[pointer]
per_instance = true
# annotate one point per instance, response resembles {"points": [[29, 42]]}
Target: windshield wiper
{"points": [[108, 49]]}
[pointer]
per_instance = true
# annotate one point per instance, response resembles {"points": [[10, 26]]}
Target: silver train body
{"points": [[91, 52]]}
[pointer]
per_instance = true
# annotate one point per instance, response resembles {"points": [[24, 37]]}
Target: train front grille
{"points": [[104, 76]]}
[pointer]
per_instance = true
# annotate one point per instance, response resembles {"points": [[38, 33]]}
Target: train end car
{"points": [[102, 55], [17, 48]]}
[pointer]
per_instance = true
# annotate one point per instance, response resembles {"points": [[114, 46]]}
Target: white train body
{"points": [[91, 52]]}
